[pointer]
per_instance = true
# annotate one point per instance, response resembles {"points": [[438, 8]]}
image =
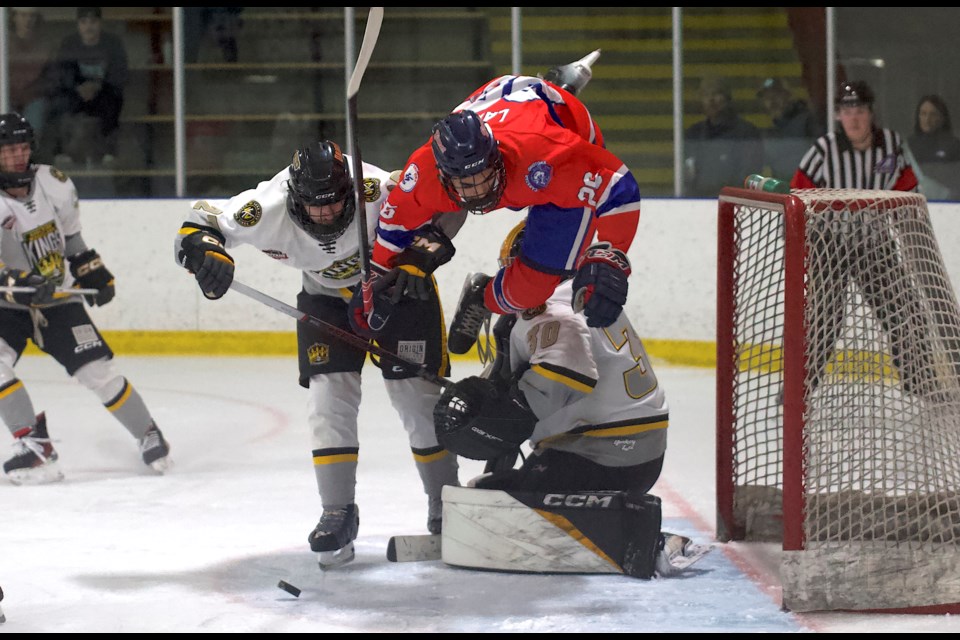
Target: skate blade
{"points": [[332, 559], [161, 465], [44, 474]]}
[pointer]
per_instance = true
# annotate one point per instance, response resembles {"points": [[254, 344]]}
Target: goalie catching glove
{"points": [[89, 273], [600, 286], [202, 254], [478, 420], [43, 288], [430, 249]]}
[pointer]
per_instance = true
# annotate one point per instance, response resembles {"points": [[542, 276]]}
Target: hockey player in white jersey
{"points": [[41, 250], [305, 218], [589, 403]]}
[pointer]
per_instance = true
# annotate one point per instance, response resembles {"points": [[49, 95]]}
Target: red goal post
{"points": [[838, 396]]}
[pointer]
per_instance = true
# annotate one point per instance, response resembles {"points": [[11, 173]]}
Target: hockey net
{"points": [[838, 396]]}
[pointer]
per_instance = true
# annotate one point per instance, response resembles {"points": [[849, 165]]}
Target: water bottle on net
{"points": [[770, 185]]}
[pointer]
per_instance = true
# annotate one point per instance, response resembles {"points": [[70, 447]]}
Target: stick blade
{"points": [[414, 548], [370, 35]]}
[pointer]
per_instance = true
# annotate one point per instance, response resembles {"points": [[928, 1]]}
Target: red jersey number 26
{"points": [[588, 192]]}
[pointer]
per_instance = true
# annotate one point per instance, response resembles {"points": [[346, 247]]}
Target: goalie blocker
{"points": [[563, 532]]}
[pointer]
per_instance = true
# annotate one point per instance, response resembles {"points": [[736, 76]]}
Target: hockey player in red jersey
{"points": [[519, 142]]}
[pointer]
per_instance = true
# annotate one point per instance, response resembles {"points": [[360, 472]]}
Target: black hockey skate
{"points": [[332, 538], [155, 450], [470, 314], [34, 460]]}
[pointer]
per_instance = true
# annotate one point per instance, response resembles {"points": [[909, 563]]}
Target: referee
{"points": [[856, 245]]}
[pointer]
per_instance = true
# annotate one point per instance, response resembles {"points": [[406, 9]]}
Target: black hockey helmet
{"points": [[854, 94], [15, 129], [319, 176], [463, 146]]}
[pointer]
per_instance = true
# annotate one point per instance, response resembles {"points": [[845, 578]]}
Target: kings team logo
{"points": [[318, 353]]}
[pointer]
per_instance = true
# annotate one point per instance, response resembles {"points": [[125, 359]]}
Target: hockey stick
{"points": [[57, 293], [340, 334], [370, 35]]}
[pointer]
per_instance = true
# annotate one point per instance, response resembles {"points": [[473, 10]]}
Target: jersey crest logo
{"points": [[538, 175], [888, 164], [249, 214], [410, 177], [59, 175], [318, 353], [342, 269], [371, 189], [275, 254]]}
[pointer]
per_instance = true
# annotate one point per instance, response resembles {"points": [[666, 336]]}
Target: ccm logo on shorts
{"points": [[86, 338]]}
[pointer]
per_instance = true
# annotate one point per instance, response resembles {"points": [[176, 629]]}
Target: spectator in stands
{"points": [[793, 130], [722, 149], [933, 139], [30, 54], [85, 108], [935, 150]]}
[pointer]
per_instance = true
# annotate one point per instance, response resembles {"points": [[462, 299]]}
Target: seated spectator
{"points": [[935, 149], [88, 97], [29, 52], [722, 149], [793, 130]]}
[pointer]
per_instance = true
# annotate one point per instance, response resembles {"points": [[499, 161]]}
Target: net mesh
{"points": [[881, 410]]}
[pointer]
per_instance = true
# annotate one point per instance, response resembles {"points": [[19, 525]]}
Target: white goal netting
{"points": [[875, 496]]}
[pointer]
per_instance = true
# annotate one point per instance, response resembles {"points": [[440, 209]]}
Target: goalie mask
{"points": [[320, 196], [15, 129], [469, 162]]}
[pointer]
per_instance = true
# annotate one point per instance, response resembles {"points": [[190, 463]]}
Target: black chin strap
{"points": [[10, 180]]}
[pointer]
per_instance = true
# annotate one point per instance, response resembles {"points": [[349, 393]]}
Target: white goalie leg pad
{"points": [[490, 529]]}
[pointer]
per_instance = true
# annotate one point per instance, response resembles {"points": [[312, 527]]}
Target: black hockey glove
{"points": [[378, 289], [477, 420], [89, 273], [600, 286], [202, 253], [42, 293], [470, 315], [430, 249]]}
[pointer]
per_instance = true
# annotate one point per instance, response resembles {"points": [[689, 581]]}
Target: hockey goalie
{"points": [[589, 403]]}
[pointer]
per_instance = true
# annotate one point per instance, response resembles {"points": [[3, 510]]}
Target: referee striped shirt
{"points": [[832, 162]]}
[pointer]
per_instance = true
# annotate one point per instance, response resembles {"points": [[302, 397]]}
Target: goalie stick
{"points": [[679, 553], [340, 334], [370, 35], [414, 548]]}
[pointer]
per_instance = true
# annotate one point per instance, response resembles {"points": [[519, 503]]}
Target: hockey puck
{"points": [[289, 588]]}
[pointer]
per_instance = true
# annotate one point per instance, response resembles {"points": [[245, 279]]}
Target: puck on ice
{"points": [[289, 588]]}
